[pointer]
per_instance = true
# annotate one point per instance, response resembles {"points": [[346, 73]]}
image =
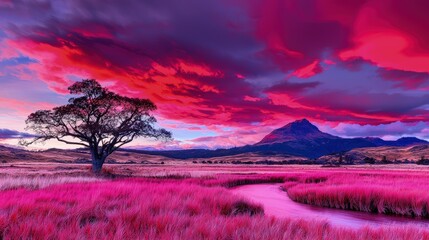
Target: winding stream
{"points": [[276, 203]]}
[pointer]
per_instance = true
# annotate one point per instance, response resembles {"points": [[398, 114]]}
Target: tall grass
{"points": [[398, 193], [157, 209], [117, 209], [37, 182], [234, 180]]}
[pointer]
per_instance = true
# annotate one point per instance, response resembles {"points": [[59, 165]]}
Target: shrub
{"points": [[242, 208], [369, 160], [384, 160], [423, 161]]}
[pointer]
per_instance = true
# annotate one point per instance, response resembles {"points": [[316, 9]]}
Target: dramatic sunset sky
{"points": [[225, 72]]}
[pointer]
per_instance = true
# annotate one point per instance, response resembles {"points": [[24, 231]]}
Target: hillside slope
{"points": [[377, 154], [12, 155]]}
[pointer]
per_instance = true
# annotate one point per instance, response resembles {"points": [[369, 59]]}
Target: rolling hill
{"points": [[15, 155], [391, 154]]}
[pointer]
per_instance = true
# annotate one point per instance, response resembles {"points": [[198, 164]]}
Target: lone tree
{"points": [[97, 119]]}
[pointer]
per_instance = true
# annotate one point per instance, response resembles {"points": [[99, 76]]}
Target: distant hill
{"points": [[299, 138], [377, 154], [11, 155], [15, 155]]}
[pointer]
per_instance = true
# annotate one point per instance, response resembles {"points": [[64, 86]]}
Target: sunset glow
{"points": [[225, 73]]}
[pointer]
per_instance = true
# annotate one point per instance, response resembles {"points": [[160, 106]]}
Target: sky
{"points": [[224, 73]]}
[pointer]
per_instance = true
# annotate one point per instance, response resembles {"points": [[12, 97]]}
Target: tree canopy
{"points": [[97, 119]]}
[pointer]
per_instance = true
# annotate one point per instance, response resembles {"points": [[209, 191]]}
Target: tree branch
{"points": [[68, 142]]}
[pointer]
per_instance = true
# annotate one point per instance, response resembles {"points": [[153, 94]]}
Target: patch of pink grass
{"points": [[233, 180], [10, 182], [157, 209], [388, 192], [118, 209]]}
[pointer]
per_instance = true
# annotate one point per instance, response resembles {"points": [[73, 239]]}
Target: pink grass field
{"points": [[389, 192], [174, 207]]}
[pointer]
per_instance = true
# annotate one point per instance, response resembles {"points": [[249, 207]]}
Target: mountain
{"points": [[299, 138], [295, 131]]}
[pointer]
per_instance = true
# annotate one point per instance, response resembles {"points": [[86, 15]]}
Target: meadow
{"points": [[392, 192], [195, 204]]}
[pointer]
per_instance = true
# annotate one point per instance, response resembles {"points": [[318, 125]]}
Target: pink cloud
{"points": [[309, 70]]}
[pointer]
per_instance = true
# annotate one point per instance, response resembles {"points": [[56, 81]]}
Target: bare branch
{"points": [[74, 143]]}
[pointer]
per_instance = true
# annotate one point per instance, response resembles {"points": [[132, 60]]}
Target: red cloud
{"points": [[251, 99], [309, 70], [218, 63], [391, 34]]}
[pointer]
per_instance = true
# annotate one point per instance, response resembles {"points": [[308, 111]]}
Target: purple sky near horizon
{"points": [[225, 73]]}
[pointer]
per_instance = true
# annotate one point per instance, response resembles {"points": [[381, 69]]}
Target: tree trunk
{"points": [[97, 163]]}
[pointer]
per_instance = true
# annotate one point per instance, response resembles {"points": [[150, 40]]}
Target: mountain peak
{"points": [[304, 120], [298, 130], [302, 123]]}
